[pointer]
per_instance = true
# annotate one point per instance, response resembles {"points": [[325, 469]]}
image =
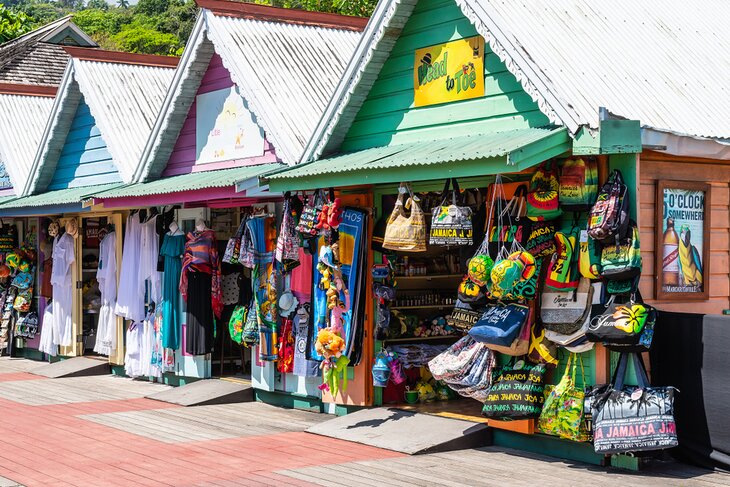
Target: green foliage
{"points": [[151, 26], [12, 24]]}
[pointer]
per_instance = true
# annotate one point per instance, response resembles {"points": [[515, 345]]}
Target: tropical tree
{"points": [[12, 24], [123, 3]]}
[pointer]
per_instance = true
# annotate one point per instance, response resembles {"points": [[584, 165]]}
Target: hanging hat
{"points": [[287, 304], [53, 228], [72, 227]]}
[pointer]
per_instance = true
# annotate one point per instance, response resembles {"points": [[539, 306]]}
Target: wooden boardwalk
{"points": [[498, 467]]}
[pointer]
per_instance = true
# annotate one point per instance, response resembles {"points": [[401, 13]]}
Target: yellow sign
{"points": [[449, 72]]}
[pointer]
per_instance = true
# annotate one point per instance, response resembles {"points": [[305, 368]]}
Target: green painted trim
{"points": [[118, 370], [33, 354], [345, 409], [613, 137], [627, 462], [540, 150], [290, 401], [548, 445]]}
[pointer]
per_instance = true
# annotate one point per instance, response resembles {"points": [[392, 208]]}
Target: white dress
{"points": [[61, 279], [148, 255], [132, 356], [130, 298], [46, 344], [106, 276]]}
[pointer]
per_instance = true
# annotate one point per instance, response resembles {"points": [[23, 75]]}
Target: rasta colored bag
{"points": [[451, 224], [543, 197], [406, 233], [562, 414], [517, 392], [541, 239], [542, 350], [623, 324], [628, 418], [561, 272], [589, 257], [622, 260], [609, 217], [235, 324], [578, 184]]}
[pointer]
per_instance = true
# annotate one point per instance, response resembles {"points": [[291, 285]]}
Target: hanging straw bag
{"points": [[406, 233]]}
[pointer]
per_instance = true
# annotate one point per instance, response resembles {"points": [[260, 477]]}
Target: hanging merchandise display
{"points": [[609, 217], [589, 257], [517, 391], [562, 272], [562, 414], [130, 304], [622, 260], [406, 233], [542, 350], [543, 198], [149, 254], [627, 324], [200, 285], [173, 248], [578, 184], [64, 255], [303, 367], [500, 324], [287, 243], [106, 275], [233, 247], [566, 312], [262, 230], [451, 224], [310, 214], [631, 419]]}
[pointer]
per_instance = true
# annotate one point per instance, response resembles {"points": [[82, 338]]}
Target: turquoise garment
{"points": [[172, 250]]}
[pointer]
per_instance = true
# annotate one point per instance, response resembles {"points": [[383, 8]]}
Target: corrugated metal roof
{"points": [[124, 99], [438, 152], [19, 141], [662, 62], [58, 197], [189, 182], [286, 72]]}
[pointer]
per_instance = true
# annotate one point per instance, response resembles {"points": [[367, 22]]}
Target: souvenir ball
{"points": [[506, 273], [480, 267], [528, 263], [12, 260]]}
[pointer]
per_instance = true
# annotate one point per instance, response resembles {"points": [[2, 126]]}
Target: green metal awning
{"points": [[466, 156], [189, 182], [64, 199]]}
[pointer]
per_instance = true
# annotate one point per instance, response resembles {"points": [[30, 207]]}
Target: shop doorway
{"points": [[229, 359]]}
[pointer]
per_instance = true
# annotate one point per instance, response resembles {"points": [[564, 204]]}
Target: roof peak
{"points": [[233, 8], [89, 54], [27, 90]]}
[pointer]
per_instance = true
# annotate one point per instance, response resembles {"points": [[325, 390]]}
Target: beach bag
{"points": [[541, 239], [463, 316], [521, 345], [500, 324], [517, 392], [543, 197], [247, 254], [576, 342], [622, 260], [630, 419], [233, 247], [450, 223], [27, 326], [578, 184], [310, 214], [622, 324], [22, 280], [406, 233], [562, 413], [609, 217], [251, 334], [542, 350], [566, 312], [589, 257], [561, 271], [287, 242], [454, 360], [235, 324]]}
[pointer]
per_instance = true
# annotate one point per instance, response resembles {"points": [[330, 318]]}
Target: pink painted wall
{"points": [[182, 159]]}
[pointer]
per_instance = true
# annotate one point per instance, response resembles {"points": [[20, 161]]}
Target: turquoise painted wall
{"points": [[388, 116], [84, 159]]}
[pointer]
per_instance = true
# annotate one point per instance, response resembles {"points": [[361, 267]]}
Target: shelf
{"points": [[427, 306], [420, 339], [429, 278]]}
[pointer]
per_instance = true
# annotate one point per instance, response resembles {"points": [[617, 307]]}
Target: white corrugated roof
{"points": [[19, 141], [286, 71], [662, 62], [123, 97]]}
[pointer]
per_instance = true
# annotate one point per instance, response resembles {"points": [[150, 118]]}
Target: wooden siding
{"points": [[388, 116], [654, 166], [182, 159], [84, 159]]}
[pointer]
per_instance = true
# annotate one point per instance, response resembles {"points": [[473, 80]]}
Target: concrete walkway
{"points": [[101, 431]]}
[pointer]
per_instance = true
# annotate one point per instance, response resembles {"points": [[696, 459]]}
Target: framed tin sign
{"points": [[682, 244]]}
